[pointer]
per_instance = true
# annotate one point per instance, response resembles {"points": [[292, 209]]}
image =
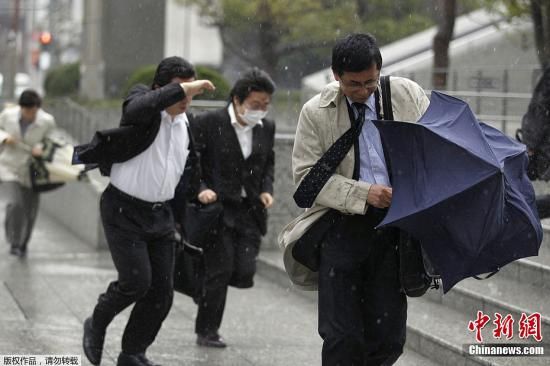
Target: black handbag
{"points": [[189, 270], [40, 177], [415, 270], [201, 222], [39, 174], [307, 249]]}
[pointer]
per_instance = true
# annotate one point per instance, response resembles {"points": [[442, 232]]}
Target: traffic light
{"points": [[45, 40]]}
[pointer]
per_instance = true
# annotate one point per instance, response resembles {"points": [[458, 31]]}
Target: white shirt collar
{"points": [[180, 118], [370, 103]]}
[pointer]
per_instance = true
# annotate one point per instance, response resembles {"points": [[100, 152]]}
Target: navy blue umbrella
{"points": [[460, 187]]}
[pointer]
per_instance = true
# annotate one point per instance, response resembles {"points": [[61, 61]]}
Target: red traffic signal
{"points": [[45, 38]]}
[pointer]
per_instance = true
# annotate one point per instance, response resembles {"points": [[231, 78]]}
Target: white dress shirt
{"points": [[244, 133], [153, 175], [372, 167]]}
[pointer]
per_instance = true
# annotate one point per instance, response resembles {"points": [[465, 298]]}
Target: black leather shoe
{"points": [[211, 340], [138, 359], [18, 252], [92, 342]]}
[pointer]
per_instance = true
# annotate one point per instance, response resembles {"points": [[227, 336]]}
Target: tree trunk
{"points": [[540, 12], [446, 23], [362, 9], [268, 39]]}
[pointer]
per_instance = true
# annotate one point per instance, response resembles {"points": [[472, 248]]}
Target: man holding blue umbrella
{"points": [[362, 309]]}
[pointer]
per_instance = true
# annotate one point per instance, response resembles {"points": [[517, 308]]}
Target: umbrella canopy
{"points": [[460, 187]]}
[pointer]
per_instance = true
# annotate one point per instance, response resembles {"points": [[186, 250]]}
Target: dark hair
{"points": [[355, 53], [252, 80], [172, 67], [30, 99]]}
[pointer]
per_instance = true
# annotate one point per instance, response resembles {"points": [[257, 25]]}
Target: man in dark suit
{"points": [[145, 159], [235, 145]]}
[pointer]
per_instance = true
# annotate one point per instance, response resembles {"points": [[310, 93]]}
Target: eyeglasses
{"points": [[354, 85]]}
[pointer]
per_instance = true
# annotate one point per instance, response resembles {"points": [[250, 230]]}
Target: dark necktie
{"points": [[319, 173]]}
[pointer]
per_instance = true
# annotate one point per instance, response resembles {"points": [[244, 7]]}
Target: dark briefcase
{"points": [[306, 250], [189, 269], [415, 270]]}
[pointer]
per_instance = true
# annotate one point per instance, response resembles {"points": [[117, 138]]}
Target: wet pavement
{"points": [[45, 297]]}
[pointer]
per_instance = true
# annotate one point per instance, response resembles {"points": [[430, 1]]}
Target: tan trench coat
{"points": [[323, 119], [14, 160]]}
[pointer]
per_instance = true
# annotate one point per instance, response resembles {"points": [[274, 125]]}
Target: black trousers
{"points": [[362, 310], [230, 260], [21, 213], [142, 244]]}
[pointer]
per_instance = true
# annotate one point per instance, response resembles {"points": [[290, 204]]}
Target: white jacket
{"points": [[323, 119], [14, 160]]}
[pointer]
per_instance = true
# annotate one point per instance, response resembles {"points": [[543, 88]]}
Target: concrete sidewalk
{"points": [[45, 297]]}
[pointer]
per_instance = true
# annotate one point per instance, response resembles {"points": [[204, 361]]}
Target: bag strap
{"points": [[489, 275], [386, 97], [388, 113]]}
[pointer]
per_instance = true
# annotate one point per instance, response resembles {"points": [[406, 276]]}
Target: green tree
{"points": [[444, 35], [539, 11], [145, 75], [270, 33], [63, 81]]}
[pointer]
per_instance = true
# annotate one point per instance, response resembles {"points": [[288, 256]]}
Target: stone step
{"points": [[412, 358], [498, 294], [546, 232], [439, 349], [441, 333], [544, 255], [534, 271], [270, 266]]}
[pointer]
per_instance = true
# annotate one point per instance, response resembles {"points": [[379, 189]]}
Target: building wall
{"points": [[189, 36], [481, 61], [132, 36]]}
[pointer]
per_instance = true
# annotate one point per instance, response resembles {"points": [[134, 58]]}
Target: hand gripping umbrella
{"points": [[460, 187]]}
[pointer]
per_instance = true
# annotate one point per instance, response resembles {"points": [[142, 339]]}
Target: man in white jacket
{"points": [[22, 130]]}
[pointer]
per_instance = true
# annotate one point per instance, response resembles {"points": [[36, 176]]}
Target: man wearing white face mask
{"points": [[235, 145]]}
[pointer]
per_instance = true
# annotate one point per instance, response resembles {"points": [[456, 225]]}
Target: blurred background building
{"points": [[110, 39]]}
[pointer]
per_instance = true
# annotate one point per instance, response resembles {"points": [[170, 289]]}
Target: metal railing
{"points": [[81, 123], [499, 109], [502, 110]]}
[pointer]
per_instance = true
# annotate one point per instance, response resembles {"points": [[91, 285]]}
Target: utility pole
{"points": [[92, 67], [8, 86]]}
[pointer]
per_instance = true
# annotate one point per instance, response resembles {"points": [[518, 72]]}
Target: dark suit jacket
{"points": [[139, 125], [224, 169]]}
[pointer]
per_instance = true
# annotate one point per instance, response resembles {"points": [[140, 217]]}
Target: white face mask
{"points": [[253, 116]]}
